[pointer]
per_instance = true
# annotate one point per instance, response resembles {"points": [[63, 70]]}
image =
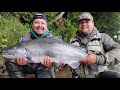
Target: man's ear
{"points": [[93, 22]]}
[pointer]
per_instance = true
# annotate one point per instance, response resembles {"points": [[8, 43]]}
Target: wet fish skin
{"points": [[35, 50]]}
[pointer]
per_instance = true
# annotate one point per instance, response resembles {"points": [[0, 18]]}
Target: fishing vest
{"points": [[95, 46]]}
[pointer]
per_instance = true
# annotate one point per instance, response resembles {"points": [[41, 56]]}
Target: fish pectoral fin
{"points": [[74, 65], [29, 59]]}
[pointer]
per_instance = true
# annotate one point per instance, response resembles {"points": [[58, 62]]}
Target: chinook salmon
{"points": [[35, 50]]}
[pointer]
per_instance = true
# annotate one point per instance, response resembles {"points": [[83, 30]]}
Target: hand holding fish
{"points": [[89, 59], [48, 61], [21, 61], [62, 64]]}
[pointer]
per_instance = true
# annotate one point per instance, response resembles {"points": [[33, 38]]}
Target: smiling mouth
{"points": [[84, 27], [39, 30]]}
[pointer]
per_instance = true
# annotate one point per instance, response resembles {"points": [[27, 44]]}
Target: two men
{"points": [[103, 51]]}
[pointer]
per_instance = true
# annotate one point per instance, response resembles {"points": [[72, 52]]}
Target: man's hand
{"points": [[47, 61], [62, 64], [21, 61], [90, 59]]}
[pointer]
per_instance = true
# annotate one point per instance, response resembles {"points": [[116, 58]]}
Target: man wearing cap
{"points": [[103, 52], [21, 67]]}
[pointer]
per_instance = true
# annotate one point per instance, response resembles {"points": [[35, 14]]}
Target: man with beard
{"points": [[45, 69], [103, 51]]}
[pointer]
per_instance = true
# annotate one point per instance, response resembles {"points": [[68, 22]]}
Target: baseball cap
{"points": [[39, 16], [85, 15]]}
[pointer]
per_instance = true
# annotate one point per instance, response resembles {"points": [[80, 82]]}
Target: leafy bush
{"points": [[10, 31]]}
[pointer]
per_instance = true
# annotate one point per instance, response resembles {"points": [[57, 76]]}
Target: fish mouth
{"points": [[5, 54], [8, 56]]}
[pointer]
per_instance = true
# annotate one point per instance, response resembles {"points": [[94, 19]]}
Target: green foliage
{"points": [[24, 17], [108, 22], [71, 27], [70, 31], [10, 31], [50, 15]]}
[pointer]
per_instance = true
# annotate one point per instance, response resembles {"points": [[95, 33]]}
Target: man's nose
{"points": [[84, 23], [39, 25]]}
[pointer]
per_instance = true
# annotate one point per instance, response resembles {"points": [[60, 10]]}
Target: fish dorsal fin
{"points": [[59, 38]]}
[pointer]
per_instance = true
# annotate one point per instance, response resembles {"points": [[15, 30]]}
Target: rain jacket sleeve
{"points": [[112, 51]]}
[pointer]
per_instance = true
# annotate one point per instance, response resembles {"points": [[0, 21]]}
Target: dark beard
{"points": [[82, 34]]}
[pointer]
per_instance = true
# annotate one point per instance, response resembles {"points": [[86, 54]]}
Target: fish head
{"points": [[14, 51]]}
